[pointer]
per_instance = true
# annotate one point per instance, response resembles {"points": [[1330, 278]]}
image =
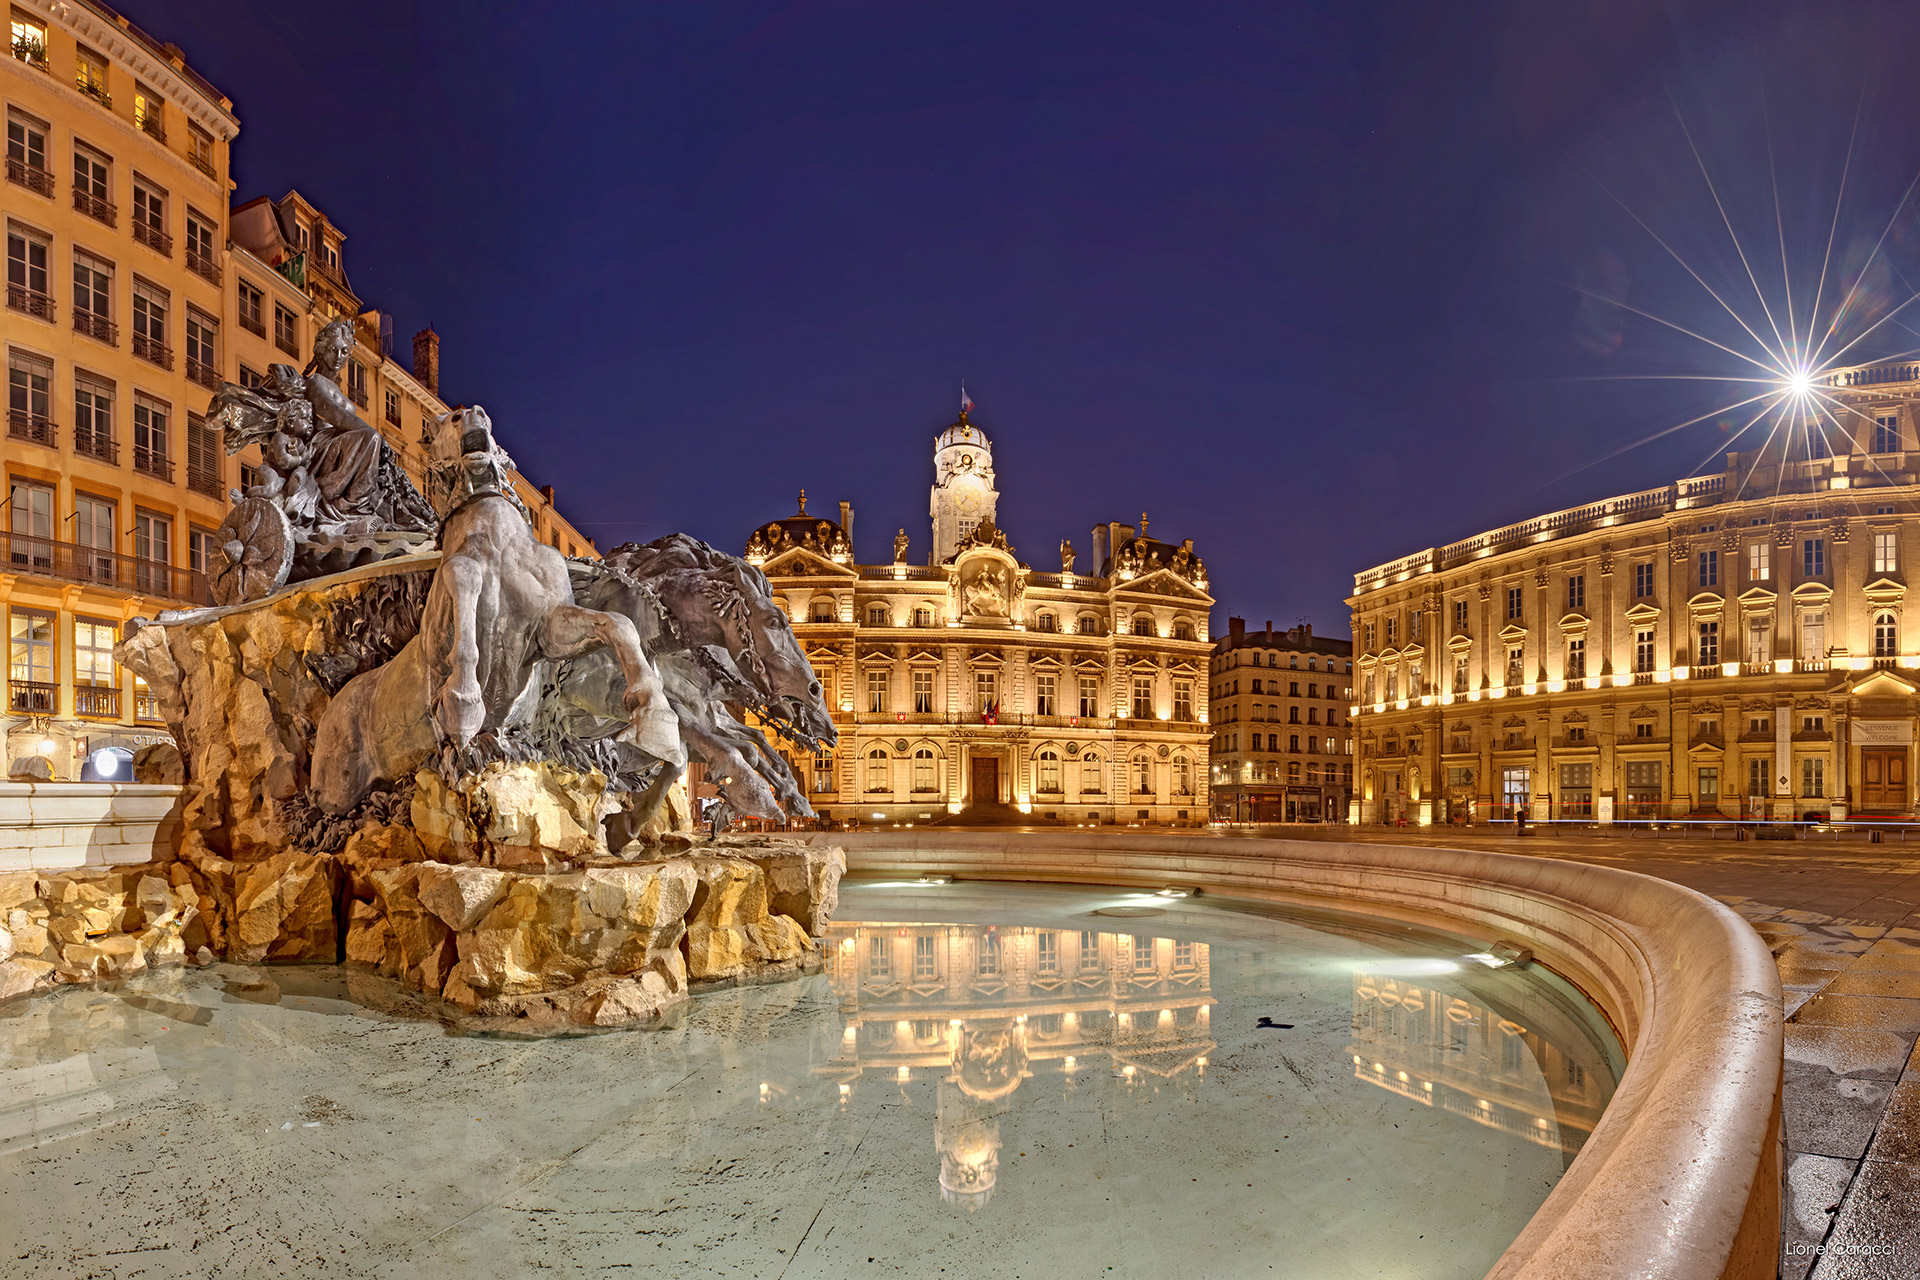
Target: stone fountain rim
{"points": [[1681, 1178]]}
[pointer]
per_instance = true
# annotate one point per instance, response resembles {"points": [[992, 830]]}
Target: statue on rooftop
{"points": [[1066, 555], [900, 547]]}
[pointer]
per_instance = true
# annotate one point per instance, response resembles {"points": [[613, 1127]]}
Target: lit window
{"points": [[1886, 553], [1759, 561]]}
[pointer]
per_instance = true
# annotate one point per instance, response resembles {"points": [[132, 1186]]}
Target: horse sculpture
{"points": [[718, 639], [500, 606]]}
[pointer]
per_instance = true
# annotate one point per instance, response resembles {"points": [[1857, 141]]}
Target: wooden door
{"points": [[986, 780], [1883, 779]]}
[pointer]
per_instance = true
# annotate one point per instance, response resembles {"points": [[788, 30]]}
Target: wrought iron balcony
{"points": [[95, 207], [253, 324], [23, 424], [96, 326], [21, 298], [146, 706], [71, 562], [95, 90], [33, 698], [203, 373], [153, 349], [32, 177], [150, 125], [205, 165], [96, 701], [152, 462], [95, 444], [205, 480], [154, 238], [206, 268]]}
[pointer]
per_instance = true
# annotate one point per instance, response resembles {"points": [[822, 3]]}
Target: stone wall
{"points": [[60, 825]]}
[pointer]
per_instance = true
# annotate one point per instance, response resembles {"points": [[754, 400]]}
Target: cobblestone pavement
{"points": [[1842, 918]]}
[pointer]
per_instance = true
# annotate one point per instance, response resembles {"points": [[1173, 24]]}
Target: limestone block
{"points": [[440, 820], [460, 896], [122, 953], [155, 900], [730, 933], [544, 807], [421, 952], [6, 944], [159, 762], [384, 843], [526, 942], [162, 947], [31, 940], [22, 974], [369, 936], [18, 888], [654, 897], [283, 910]]}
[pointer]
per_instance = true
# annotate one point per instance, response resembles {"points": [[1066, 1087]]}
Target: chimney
{"points": [[1098, 548], [1236, 630], [426, 359], [1269, 628], [546, 491], [846, 520]]}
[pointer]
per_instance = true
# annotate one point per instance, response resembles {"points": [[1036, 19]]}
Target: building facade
{"points": [[133, 292], [1727, 645], [1282, 739], [974, 684]]}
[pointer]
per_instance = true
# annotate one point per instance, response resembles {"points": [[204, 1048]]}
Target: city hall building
{"points": [[1727, 645], [973, 683]]}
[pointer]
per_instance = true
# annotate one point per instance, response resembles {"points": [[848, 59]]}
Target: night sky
{"points": [[1303, 282]]}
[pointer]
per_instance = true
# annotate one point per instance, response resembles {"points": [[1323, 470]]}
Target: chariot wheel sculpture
{"points": [[252, 553]]}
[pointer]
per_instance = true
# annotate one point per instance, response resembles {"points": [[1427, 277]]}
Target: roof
{"points": [[1289, 641], [961, 431]]}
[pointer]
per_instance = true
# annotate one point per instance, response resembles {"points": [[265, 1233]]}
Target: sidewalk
{"points": [[1843, 921]]}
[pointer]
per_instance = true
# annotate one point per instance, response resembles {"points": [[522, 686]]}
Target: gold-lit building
{"points": [[1282, 741], [973, 683], [1726, 645], [981, 1010], [133, 292]]}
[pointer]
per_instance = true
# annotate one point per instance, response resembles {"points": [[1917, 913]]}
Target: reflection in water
{"points": [[1544, 1083], [983, 1007]]}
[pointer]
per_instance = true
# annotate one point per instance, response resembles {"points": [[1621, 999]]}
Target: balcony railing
{"points": [[150, 125], [95, 90], [95, 207], [33, 427], [95, 444], [203, 373], [96, 701], [21, 298], [152, 462], [33, 698], [204, 267], [32, 177], [153, 349], [253, 324], [204, 480], [393, 414], [96, 326], [154, 238], [71, 562], [146, 706], [285, 342], [205, 165]]}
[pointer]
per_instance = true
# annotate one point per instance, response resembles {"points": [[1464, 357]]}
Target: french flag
{"points": [[966, 401]]}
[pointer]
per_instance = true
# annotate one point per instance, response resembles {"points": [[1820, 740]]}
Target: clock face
{"points": [[968, 501]]}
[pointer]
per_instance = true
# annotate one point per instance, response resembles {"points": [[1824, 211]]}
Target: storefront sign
{"points": [[1882, 733]]}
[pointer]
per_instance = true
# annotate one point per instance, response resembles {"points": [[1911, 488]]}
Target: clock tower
{"points": [[963, 492]]}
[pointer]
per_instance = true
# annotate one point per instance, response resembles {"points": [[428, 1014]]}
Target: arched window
{"points": [[822, 609], [822, 772], [1183, 630], [877, 770], [1256, 688], [1142, 624], [1293, 741], [1257, 714], [1312, 667], [1046, 773], [924, 775], [1293, 771], [1045, 622], [1090, 778], [1142, 774], [1273, 659], [1182, 776], [1886, 636], [878, 615], [923, 616]]}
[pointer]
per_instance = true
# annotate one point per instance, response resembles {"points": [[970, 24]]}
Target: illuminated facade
{"points": [[1725, 645], [1282, 741], [982, 1010], [133, 291], [976, 684]]}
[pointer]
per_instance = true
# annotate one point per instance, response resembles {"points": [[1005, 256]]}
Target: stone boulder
{"points": [[159, 762], [31, 769]]}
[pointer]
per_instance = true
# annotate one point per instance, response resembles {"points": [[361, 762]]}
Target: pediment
{"points": [[1389, 655], [1574, 622], [1884, 591], [1882, 684], [923, 654], [1165, 582], [1087, 662], [1513, 631], [1414, 652], [876, 658], [986, 658], [1807, 592], [1643, 612], [800, 562], [1706, 749], [1758, 598], [1460, 643], [1706, 602], [1182, 667], [1643, 712], [1047, 662]]}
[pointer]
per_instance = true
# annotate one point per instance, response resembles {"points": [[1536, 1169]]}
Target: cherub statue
{"points": [[900, 547], [756, 546]]}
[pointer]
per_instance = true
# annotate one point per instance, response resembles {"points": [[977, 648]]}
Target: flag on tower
{"points": [[966, 401]]}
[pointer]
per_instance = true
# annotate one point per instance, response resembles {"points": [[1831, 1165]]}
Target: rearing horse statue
{"points": [[500, 605]]}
